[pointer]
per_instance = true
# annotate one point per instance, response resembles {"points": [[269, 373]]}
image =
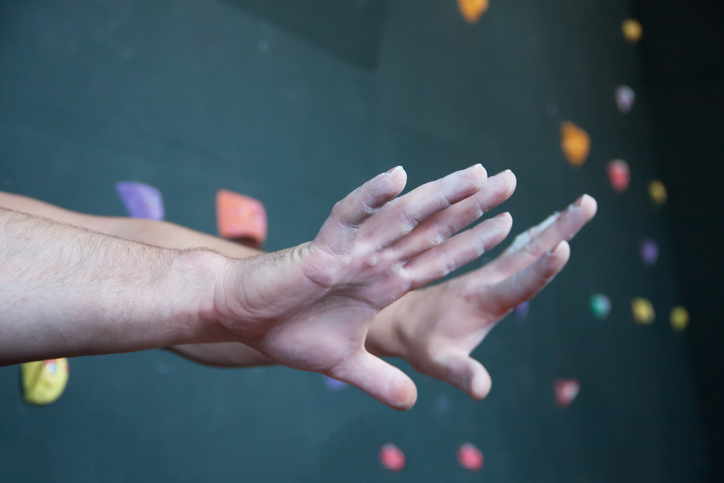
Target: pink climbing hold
{"points": [[392, 457], [141, 200], [619, 175], [566, 391], [470, 457]]}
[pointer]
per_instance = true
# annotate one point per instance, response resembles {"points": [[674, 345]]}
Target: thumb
{"points": [[467, 374], [382, 381]]}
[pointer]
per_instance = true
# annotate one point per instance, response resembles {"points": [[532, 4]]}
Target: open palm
{"points": [[443, 324]]}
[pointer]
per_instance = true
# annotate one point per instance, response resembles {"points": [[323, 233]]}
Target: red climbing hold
{"points": [[392, 457], [470, 457], [619, 175]]}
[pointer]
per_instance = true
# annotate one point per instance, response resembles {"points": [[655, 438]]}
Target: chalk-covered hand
{"points": [[310, 307]]}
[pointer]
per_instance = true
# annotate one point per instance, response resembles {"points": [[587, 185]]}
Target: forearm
{"points": [[382, 338], [67, 291], [161, 234], [152, 232]]}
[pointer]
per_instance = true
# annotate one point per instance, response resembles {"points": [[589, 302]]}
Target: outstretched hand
{"points": [[435, 329], [310, 307]]}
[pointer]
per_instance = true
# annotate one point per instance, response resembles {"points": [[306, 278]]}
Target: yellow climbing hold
{"points": [[575, 143], [44, 381], [657, 192], [632, 30], [643, 311], [679, 317], [472, 10]]}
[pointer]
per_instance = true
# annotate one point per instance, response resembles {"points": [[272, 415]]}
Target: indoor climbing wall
{"points": [[248, 120]]}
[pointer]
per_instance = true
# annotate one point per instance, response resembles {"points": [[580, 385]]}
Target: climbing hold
{"points": [[521, 311], [141, 200], [649, 252], [470, 457], [643, 311], [241, 218], [625, 98], [679, 317], [600, 306], [44, 381], [334, 384], [566, 391], [657, 192], [472, 10], [575, 143], [392, 457], [619, 175], [632, 30]]}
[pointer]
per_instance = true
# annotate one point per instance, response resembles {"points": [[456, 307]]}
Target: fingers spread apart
{"points": [[399, 217], [439, 227], [533, 243], [415, 232], [358, 206], [437, 262], [526, 283]]}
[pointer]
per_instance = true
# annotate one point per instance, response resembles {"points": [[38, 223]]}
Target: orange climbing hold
{"points": [[472, 10], [241, 218], [576, 143]]}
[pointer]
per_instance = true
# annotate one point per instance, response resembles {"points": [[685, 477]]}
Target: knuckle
{"points": [[410, 219], [338, 209], [444, 231], [531, 248]]}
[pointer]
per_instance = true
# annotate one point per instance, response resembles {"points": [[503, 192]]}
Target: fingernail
{"points": [[579, 202], [552, 252], [507, 213], [393, 169], [502, 173], [474, 167]]}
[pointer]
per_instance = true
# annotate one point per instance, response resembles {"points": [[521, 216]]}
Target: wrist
{"points": [[193, 280]]}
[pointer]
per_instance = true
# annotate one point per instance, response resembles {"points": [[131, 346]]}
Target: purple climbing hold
{"points": [[521, 311], [141, 200], [334, 384], [649, 252], [625, 98]]}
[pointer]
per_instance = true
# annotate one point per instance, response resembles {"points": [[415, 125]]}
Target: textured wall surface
{"points": [[194, 96]]}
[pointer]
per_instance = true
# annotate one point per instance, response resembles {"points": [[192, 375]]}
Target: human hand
{"points": [[310, 307], [435, 329]]}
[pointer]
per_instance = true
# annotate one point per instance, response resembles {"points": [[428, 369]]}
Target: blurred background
{"points": [[611, 374]]}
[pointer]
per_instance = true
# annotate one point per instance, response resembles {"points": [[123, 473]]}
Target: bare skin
{"points": [[308, 307], [435, 329]]}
